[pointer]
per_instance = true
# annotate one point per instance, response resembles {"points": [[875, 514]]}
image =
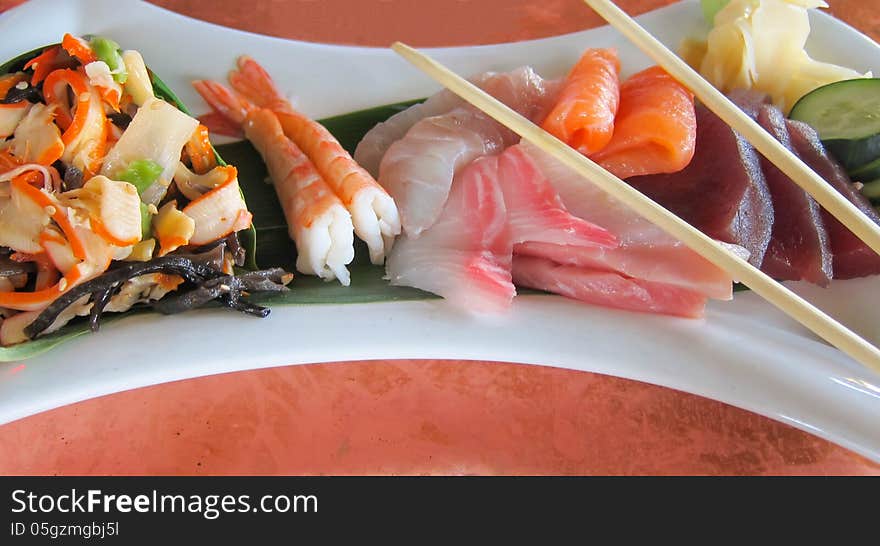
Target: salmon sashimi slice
{"points": [[535, 211], [465, 256], [851, 257], [606, 288], [645, 251], [583, 116], [521, 86], [655, 130], [722, 192], [799, 244]]}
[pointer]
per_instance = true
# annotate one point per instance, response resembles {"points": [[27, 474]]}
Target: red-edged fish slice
{"points": [[606, 288], [536, 212]]}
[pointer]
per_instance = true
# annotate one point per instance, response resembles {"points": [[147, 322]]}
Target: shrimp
{"points": [[317, 221], [373, 211]]}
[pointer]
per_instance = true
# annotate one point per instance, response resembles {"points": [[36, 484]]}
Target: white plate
{"points": [[744, 352]]}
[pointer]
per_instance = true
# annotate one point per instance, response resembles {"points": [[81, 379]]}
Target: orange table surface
{"points": [[417, 416]]}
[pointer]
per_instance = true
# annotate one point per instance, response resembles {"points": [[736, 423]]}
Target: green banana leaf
{"points": [[275, 248]]}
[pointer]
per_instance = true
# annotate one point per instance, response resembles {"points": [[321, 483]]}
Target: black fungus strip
{"points": [[11, 268], [267, 280], [120, 119], [73, 178], [233, 245], [17, 94], [184, 301], [100, 300], [245, 307], [197, 269], [210, 258]]}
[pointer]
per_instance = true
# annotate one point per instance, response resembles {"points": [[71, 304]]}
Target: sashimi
{"points": [[722, 192], [668, 264], [583, 116], [646, 252], [655, 129], [606, 288], [535, 211], [851, 257], [799, 245], [519, 86], [466, 255], [418, 169]]}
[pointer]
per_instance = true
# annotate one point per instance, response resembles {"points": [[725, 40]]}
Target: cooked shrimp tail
{"points": [[317, 221], [374, 213]]}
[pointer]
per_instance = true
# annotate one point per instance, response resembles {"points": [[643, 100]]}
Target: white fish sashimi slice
{"points": [[646, 252], [418, 170], [520, 86], [465, 256], [535, 211], [376, 142]]}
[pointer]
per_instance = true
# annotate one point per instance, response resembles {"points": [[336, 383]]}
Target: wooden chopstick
{"points": [[796, 307], [787, 162]]}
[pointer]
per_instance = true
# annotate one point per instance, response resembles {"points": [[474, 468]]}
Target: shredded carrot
{"points": [[171, 243], [168, 281], [231, 176], [47, 61], [200, 152], [78, 48], [53, 91], [101, 230], [8, 81], [9, 162], [60, 214], [47, 274], [31, 301]]}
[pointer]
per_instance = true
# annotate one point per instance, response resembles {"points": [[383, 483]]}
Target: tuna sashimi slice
{"points": [[655, 129], [606, 288], [535, 211], [466, 255], [851, 257], [799, 245], [722, 192], [645, 252]]}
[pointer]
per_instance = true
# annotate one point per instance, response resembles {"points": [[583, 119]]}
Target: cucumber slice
{"points": [[871, 190], [848, 110], [868, 172], [854, 154]]}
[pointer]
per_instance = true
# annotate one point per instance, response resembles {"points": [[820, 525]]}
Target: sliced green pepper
{"points": [[142, 174], [711, 9], [108, 51]]}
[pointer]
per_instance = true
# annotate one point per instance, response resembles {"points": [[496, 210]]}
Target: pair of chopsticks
{"points": [[787, 301]]}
